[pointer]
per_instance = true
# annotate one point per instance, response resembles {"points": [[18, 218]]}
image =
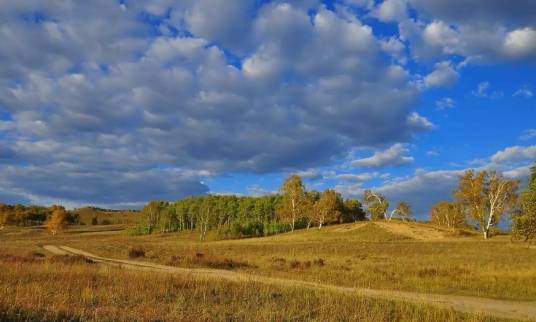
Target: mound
{"points": [[413, 230]]}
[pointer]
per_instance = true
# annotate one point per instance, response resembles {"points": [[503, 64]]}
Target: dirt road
{"points": [[497, 308]]}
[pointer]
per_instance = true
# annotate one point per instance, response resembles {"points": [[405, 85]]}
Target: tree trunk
{"points": [[293, 214]]}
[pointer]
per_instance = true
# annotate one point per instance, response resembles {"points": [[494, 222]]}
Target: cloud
{"points": [[176, 91], [443, 75], [391, 10], [396, 49], [420, 122], [73, 184], [224, 22], [523, 92], [482, 32], [393, 156], [521, 43], [356, 177], [445, 103], [528, 134], [515, 154], [423, 189], [517, 13], [312, 174], [483, 91]]}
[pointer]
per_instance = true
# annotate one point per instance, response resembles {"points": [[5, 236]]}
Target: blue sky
{"points": [[114, 103]]}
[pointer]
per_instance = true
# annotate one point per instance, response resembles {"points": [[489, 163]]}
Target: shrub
{"points": [[94, 221], [36, 255], [138, 231], [136, 252], [200, 259], [70, 260]]}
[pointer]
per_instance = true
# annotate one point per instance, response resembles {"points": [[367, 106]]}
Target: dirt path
{"points": [[497, 308]]}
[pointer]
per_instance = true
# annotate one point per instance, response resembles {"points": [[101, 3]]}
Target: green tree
{"points": [[353, 211], [524, 220], [168, 218], [205, 215], [377, 204], [151, 214]]}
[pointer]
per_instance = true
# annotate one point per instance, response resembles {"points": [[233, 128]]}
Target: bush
{"points": [[136, 252], [138, 231], [106, 222], [94, 221], [200, 259], [251, 229], [70, 260]]}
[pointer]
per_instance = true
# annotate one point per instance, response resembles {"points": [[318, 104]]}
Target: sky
{"points": [[114, 103]]}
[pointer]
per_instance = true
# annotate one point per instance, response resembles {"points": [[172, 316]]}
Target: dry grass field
{"points": [[409, 257]]}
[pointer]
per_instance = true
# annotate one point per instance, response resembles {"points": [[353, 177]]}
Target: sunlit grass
{"points": [[368, 256], [44, 290]]}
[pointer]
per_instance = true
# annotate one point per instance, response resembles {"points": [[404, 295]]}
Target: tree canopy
{"points": [[485, 196], [524, 219]]}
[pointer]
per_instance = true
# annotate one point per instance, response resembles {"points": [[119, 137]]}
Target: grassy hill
{"points": [[378, 255]]}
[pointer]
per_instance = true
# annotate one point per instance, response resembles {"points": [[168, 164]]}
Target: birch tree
{"points": [[377, 204], [327, 208], [292, 206], [403, 210], [151, 213], [205, 212], [485, 196], [311, 198], [447, 214]]}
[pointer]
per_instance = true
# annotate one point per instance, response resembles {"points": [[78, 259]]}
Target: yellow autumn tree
{"points": [[294, 201], [57, 220], [447, 214], [485, 196]]}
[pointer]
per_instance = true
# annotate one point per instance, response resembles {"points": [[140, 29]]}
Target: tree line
{"points": [[245, 216], [481, 199], [21, 215]]}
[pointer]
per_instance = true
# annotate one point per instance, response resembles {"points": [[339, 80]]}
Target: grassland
{"points": [[396, 256]]}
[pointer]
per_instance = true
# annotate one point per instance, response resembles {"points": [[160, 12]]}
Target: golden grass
{"points": [[37, 289], [370, 256]]}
